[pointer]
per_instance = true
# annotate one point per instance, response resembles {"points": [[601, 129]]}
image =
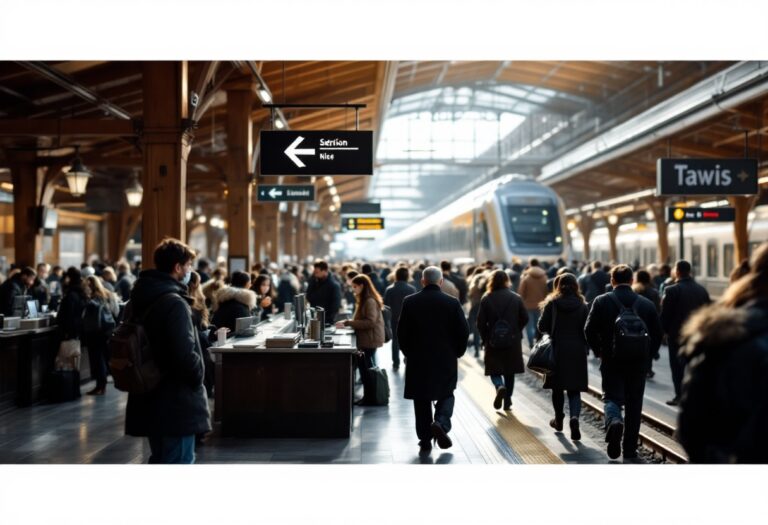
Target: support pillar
{"points": [[240, 189], [586, 225], [24, 177], [271, 225], [613, 232], [166, 149], [120, 228], [742, 206], [657, 207]]}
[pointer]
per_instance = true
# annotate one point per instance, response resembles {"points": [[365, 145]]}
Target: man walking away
{"points": [[433, 334], [176, 410], [623, 329], [533, 290], [456, 279], [680, 300], [595, 283], [394, 296]]}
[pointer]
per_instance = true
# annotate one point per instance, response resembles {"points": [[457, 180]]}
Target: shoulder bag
{"points": [[542, 357]]}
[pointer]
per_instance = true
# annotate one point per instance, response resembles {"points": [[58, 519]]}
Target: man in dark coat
{"points": [[680, 300], [594, 284], [456, 279], [433, 334], [367, 269], [393, 297], [15, 287], [234, 302], [623, 382], [324, 291], [125, 281], [176, 411]]}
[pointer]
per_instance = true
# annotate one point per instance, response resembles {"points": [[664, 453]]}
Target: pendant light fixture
{"points": [[77, 176], [134, 192]]}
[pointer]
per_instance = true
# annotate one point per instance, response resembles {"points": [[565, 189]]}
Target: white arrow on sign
{"points": [[294, 153], [275, 193]]}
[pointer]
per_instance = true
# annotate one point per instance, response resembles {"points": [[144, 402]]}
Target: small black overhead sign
{"points": [[317, 152], [362, 223], [706, 177], [681, 214], [283, 193], [360, 208]]}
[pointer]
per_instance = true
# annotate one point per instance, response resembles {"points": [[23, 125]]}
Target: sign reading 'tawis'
{"points": [[317, 153], [706, 176]]}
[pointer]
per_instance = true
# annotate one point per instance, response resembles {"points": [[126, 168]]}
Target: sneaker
{"points": [[557, 422], [507, 404], [650, 374], [425, 445], [613, 437], [501, 393], [439, 435], [673, 402], [575, 432]]}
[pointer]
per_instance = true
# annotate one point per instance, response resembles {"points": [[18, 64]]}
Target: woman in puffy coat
{"points": [[502, 362], [368, 323], [724, 402], [563, 316]]}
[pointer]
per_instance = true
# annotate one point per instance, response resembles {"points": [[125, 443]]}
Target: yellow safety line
{"points": [[508, 425]]}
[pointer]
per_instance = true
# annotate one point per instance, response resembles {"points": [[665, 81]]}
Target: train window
{"points": [[534, 225], [727, 259], [696, 259], [712, 261]]}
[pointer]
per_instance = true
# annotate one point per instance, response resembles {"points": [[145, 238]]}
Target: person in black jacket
{"points": [[69, 318], [234, 302], [324, 291], [680, 300], [644, 286], [14, 287], [724, 403], [433, 334], [594, 284], [456, 279], [394, 296], [502, 362], [175, 411], [564, 314], [367, 269], [623, 381]]}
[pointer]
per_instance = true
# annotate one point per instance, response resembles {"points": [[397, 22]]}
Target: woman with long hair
{"points": [[368, 323], [726, 346], [201, 322], [97, 324], [500, 320], [563, 316], [265, 295]]}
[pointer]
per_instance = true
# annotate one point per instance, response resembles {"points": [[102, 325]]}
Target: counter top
{"points": [[343, 341], [20, 332]]}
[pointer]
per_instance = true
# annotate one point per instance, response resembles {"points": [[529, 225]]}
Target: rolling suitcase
{"points": [[63, 385], [376, 387]]}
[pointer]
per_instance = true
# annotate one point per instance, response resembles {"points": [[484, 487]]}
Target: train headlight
{"points": [[558, 239]]}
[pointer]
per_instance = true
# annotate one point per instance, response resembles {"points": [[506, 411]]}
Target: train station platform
{"points": [[90, 430]]}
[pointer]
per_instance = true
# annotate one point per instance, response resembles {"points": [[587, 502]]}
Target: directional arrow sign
{"points": [[289, 193], [317, 153]]}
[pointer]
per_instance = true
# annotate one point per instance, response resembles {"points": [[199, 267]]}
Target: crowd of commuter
{"points": [[622, 313]]}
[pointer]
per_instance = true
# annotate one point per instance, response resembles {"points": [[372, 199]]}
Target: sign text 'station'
{"points": [[317, 152]]}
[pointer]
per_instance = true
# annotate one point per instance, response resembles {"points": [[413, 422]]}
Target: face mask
{"points": [[186, 278]]}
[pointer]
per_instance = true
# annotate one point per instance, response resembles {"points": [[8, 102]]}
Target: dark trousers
{"points": [[364, 362], [624, 387], [395, 351], [423, 411], [677, 366], [97, 357], [473, 311]]}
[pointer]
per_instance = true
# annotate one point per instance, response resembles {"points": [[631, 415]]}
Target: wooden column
{"points": [[273, 232], [25, 189], [742, 205], [120, 227], [259, 233], [657, 207], [240, 147], [166, 149], [613, 232], [302, 234], [586, 225]]}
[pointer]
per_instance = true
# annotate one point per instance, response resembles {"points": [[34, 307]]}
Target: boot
{"points": [[557, 423], [575, 432]]}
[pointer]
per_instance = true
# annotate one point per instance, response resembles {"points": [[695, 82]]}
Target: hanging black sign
{"points": [[357, 208], [317, 153], [286, 193], [680, 214], [706, 176]]}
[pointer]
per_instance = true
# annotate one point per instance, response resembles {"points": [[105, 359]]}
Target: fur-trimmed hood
{"points": [[241, 295], [719, 328]]}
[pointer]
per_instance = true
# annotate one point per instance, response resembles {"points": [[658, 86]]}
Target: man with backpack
{"points": [[173, 411], [623, 330]]}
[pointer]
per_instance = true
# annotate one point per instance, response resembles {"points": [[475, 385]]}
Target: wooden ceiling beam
{"points": [[54, 127]]}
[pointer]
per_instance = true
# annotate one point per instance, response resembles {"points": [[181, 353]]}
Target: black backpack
{"points": [[502, 335], [631, 341], [97, 318]]}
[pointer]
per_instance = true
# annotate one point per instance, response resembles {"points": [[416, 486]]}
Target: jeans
{"points": [[423, 411], [676, 366], [172, 449], [530, 328], [574, 403], [97, 358], [624, 388], [508, 382], [473, 311]]}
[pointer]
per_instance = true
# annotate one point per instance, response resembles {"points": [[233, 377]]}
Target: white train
{"points": [[708, 246], [511, 216]]}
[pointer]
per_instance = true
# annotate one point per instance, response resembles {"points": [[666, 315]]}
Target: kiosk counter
{"points": [[284, 392]]}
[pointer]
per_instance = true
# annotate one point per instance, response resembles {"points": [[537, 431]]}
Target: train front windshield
{"points": [[534, 226]]}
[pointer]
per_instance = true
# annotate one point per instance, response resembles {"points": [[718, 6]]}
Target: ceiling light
{"points": [[613, 219], [333, 190], [134, 193], [332, 208], [190, 214], [279, 124], [202, 219], [77, 176], [264, 95]]}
